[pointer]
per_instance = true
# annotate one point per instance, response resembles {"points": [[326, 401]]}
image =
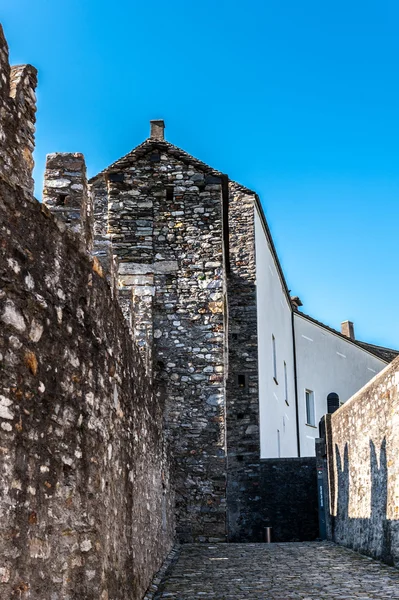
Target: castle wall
{"points": [[66, 194], [85, 499], [165, 225], [362, 449], [17, 122]]}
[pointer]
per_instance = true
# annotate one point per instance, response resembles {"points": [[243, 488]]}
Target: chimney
{"points": [[348, 329], [157, 129], [296, 302]]}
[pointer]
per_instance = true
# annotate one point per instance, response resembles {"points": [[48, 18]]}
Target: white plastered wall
{"points": [[277, 418], [327, 363]]}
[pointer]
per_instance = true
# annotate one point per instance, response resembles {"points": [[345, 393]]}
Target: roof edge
{"points": [[355, 342]]}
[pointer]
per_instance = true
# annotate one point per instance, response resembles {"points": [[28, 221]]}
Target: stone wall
{"points": [[17, 122], [362, 447], [86, 509], [65, 193], [242, 403], [164, 220]]}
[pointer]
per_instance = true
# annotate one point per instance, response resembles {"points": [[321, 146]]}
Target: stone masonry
{"points": [[302, 571], [242, 402], [65, 193], [86, 502], [361, 445], [184, 237], [17, 122], [164, 220]]}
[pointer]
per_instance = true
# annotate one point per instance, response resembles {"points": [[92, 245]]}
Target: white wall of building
{"points": [[277, 416], [327, 363]]}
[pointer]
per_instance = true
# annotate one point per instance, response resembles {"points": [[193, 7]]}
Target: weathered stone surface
{"points": [[244, 501], [363, 469], [162, 226], [17, 122], [86, 509], [66, 195], [276, 572]]}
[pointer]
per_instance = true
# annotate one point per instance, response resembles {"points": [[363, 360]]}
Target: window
{"points": [[310, 413], [62, 199], [274, 359], [285, 384], [241, 381], [116, 177], [169, 193]]}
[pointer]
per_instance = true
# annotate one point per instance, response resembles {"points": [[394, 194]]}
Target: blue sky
{"points": [[297, 100]]}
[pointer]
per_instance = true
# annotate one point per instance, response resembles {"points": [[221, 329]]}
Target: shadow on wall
{"points": [[375, 536]]}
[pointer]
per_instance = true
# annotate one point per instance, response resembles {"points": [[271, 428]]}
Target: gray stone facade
{"points": [[86, 505], [164, 221]]}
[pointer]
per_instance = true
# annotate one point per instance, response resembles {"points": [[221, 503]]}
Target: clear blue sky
{"points": [[297, 100]]}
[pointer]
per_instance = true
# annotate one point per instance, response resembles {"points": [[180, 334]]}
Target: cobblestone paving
{"points": [[303, 571]]}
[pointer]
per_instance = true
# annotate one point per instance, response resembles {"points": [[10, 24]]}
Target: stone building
{"points": [[156, 377], [245, 374]]}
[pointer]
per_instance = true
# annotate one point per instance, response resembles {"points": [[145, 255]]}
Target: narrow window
{"points": [[310, 413], [116, 177], [62, 199], [241, 381], [169, 193], [274, 359], [333, 402], [285, 384]]}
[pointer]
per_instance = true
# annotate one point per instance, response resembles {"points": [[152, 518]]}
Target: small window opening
{"points": [[241, 381], [333, 402], [310, 409], [169, 193], [61, 200], [240, 458], [234, 336], [274, 359], [240, 415], [285, 384], [116, 177]]}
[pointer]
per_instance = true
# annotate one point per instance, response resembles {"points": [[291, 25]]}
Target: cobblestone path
{"points": [[304, 571]]}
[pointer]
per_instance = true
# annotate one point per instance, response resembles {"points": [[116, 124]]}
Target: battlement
{"points": [[17, 121], [65, 192]]}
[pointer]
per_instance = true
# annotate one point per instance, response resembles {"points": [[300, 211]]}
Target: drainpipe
{"points": [[296, 382]]}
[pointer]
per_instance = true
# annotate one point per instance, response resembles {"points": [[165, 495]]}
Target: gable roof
{"points": [[149, 145], [385, 354]]}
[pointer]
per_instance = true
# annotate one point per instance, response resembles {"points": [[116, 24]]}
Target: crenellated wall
{"points": [[86, 507], [65, 192], [361, 458], [17, 123]]}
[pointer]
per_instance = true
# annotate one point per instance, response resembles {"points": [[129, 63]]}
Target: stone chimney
{"points": [[348, 329], [157, 129]]}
